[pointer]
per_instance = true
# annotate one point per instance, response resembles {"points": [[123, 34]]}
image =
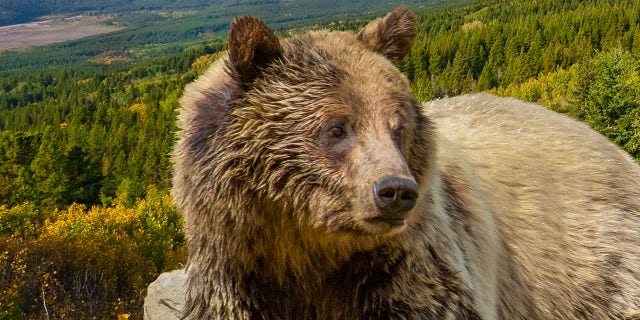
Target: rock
{"points": [[166, 296]]}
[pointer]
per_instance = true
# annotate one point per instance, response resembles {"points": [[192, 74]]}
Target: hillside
{"points": [[152, 29], [576, 57], [86, 127], [21, 11]]}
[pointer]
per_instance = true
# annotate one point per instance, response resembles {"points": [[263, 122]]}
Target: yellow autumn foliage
{"points": [[83, 263], [202, 63], [141, 109]]}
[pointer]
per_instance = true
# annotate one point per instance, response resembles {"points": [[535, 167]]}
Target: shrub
{"points": [[84, 263]]}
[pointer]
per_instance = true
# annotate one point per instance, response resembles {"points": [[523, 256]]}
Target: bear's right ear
{"points": [[392, 35], [252, 47]]}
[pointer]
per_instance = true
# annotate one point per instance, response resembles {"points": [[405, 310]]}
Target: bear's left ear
{"points": [[252, 47], [392, 35]]}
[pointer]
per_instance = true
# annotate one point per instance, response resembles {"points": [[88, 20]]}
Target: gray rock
{"points": [[166, 296]]}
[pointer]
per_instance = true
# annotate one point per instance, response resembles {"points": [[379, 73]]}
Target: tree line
{"points": [[577, 57], [91, 137], [497, 43]]}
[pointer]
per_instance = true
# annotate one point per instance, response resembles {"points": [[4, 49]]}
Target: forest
{"points": [[168, 29], [86, 221], [20, 11], [575, 57]]}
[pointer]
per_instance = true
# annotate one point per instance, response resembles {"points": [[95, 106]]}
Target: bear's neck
{"points": [[286, 257], [274, 242], [366, 284], [284, 271], [314, 284], [286, 250]]}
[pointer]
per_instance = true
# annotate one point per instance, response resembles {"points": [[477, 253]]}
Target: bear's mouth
{"points": [[393, 222]]}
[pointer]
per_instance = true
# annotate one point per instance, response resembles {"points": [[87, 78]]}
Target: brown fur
{"points": [[521, 213]]}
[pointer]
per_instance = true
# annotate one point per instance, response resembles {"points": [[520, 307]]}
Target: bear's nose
{"points": [[395, 195]]}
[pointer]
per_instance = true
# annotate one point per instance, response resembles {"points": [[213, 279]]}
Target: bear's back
{"points": [[565, 199]]}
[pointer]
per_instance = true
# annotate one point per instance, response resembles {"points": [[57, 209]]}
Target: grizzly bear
{"points": [[314, 186]]}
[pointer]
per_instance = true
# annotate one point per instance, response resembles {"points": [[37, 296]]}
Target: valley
{"points": [[51, 30]]}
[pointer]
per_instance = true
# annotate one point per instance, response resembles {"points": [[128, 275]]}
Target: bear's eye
{"points": [[336, 132], [397, 135]]}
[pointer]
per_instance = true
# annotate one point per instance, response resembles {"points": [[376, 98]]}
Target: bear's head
{"points": [[320, 129]]}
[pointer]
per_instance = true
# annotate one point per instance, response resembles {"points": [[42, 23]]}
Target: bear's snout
{"points": [[395, 196]]}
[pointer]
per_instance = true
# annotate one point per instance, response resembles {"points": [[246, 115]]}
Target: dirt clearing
{"points": [[54, 29]]}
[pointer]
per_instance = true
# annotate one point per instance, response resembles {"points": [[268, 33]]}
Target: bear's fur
{"points": [[313, 186]]}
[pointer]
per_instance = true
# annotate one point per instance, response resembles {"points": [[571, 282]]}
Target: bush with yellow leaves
{"points": [[85, 263]]}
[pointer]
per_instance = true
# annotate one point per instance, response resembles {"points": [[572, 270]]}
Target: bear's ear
{"points": [[392, 35], [252, 47]]}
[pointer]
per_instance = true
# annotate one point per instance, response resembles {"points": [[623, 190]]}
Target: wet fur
{"points": [[523, 214]]}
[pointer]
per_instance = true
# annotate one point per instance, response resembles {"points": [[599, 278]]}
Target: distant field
{"points": [[53, 29]]}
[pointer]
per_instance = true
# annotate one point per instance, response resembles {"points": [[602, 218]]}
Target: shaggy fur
{"points": [[521, 213]]}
